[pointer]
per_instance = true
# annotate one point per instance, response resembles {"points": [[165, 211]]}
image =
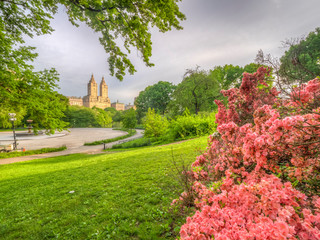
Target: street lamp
{"points": [[12, 119]]}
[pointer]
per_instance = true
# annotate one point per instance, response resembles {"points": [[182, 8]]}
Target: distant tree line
{"points": [[36, 98]]}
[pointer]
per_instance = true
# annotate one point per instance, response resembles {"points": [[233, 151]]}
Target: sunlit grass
{"points": [[30, 152], [121, 195]]}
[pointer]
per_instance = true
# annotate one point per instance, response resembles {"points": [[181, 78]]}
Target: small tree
{"points": [[103, 118], [155, 125], [129, 119]]}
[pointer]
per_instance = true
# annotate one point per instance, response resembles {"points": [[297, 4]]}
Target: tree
{"points": [[301, 61], [23, 90], [118, 116], [79, 116], [129, 119], [129, 21], [196, 92], [156, 97], [112, 111], [200, 88], [103, 118], [230, 76], [227, 75]]}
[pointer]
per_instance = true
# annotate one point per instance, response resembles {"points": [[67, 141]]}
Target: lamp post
{"points": [[12, 119]]}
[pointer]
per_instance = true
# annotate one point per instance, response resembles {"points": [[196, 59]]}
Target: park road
{"points": [[74, 141]]}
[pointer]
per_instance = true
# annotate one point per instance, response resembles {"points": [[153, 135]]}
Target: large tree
{"points": [[124, 20], [23, 90], [156, 97], [196, 92], [230, 76], [200, 88], [301, 60]]}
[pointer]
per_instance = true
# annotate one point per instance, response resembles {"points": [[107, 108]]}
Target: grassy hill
{"points": [[122, 195]]}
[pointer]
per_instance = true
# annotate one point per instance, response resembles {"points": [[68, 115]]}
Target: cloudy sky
{"points": [[216, 32]]}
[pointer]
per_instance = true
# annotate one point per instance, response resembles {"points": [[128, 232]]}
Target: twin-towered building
{"points": [[93, 100]]}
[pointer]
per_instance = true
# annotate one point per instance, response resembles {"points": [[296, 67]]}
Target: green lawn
{"points": [[122, 195], [30, 152]]}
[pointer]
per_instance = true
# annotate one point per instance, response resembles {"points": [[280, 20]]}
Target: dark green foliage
{"points": [[130, 133], [118, 116], [31, 152], [301, 60], [200, 88], [86, 117], [156, 97], [129, 120], [197, 92], [112, 111]]}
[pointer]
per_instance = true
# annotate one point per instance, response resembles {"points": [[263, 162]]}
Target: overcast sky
{"points": [[216, 32]]}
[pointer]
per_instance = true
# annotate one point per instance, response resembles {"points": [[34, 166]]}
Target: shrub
{"points": [[155, 125], [140, 142], [259, 178], [192, 125], [129, 120]]}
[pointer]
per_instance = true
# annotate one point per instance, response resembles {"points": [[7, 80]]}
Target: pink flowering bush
{"points": [[259, 178]]}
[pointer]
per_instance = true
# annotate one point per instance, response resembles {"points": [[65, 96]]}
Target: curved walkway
{"points": [[74, 141]]}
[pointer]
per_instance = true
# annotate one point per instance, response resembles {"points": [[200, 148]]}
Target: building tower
{"points": [[103, 89], [92, 87], [92, 99]]}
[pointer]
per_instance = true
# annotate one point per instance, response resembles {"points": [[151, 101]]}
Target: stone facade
{"points": [[118, 106], [92, 99], [77, 101], [100, 101]]}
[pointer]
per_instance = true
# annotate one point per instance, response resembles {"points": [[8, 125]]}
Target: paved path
{"points": [[74, 141]]}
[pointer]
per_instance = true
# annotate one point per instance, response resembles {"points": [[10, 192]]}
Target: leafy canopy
{"points": [[156, 97], [196, 92], [301, 60], [126, 20], [200, 88], [31, 93]]}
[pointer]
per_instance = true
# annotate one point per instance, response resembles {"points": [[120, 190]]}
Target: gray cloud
{"points": [[216, 32]]}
